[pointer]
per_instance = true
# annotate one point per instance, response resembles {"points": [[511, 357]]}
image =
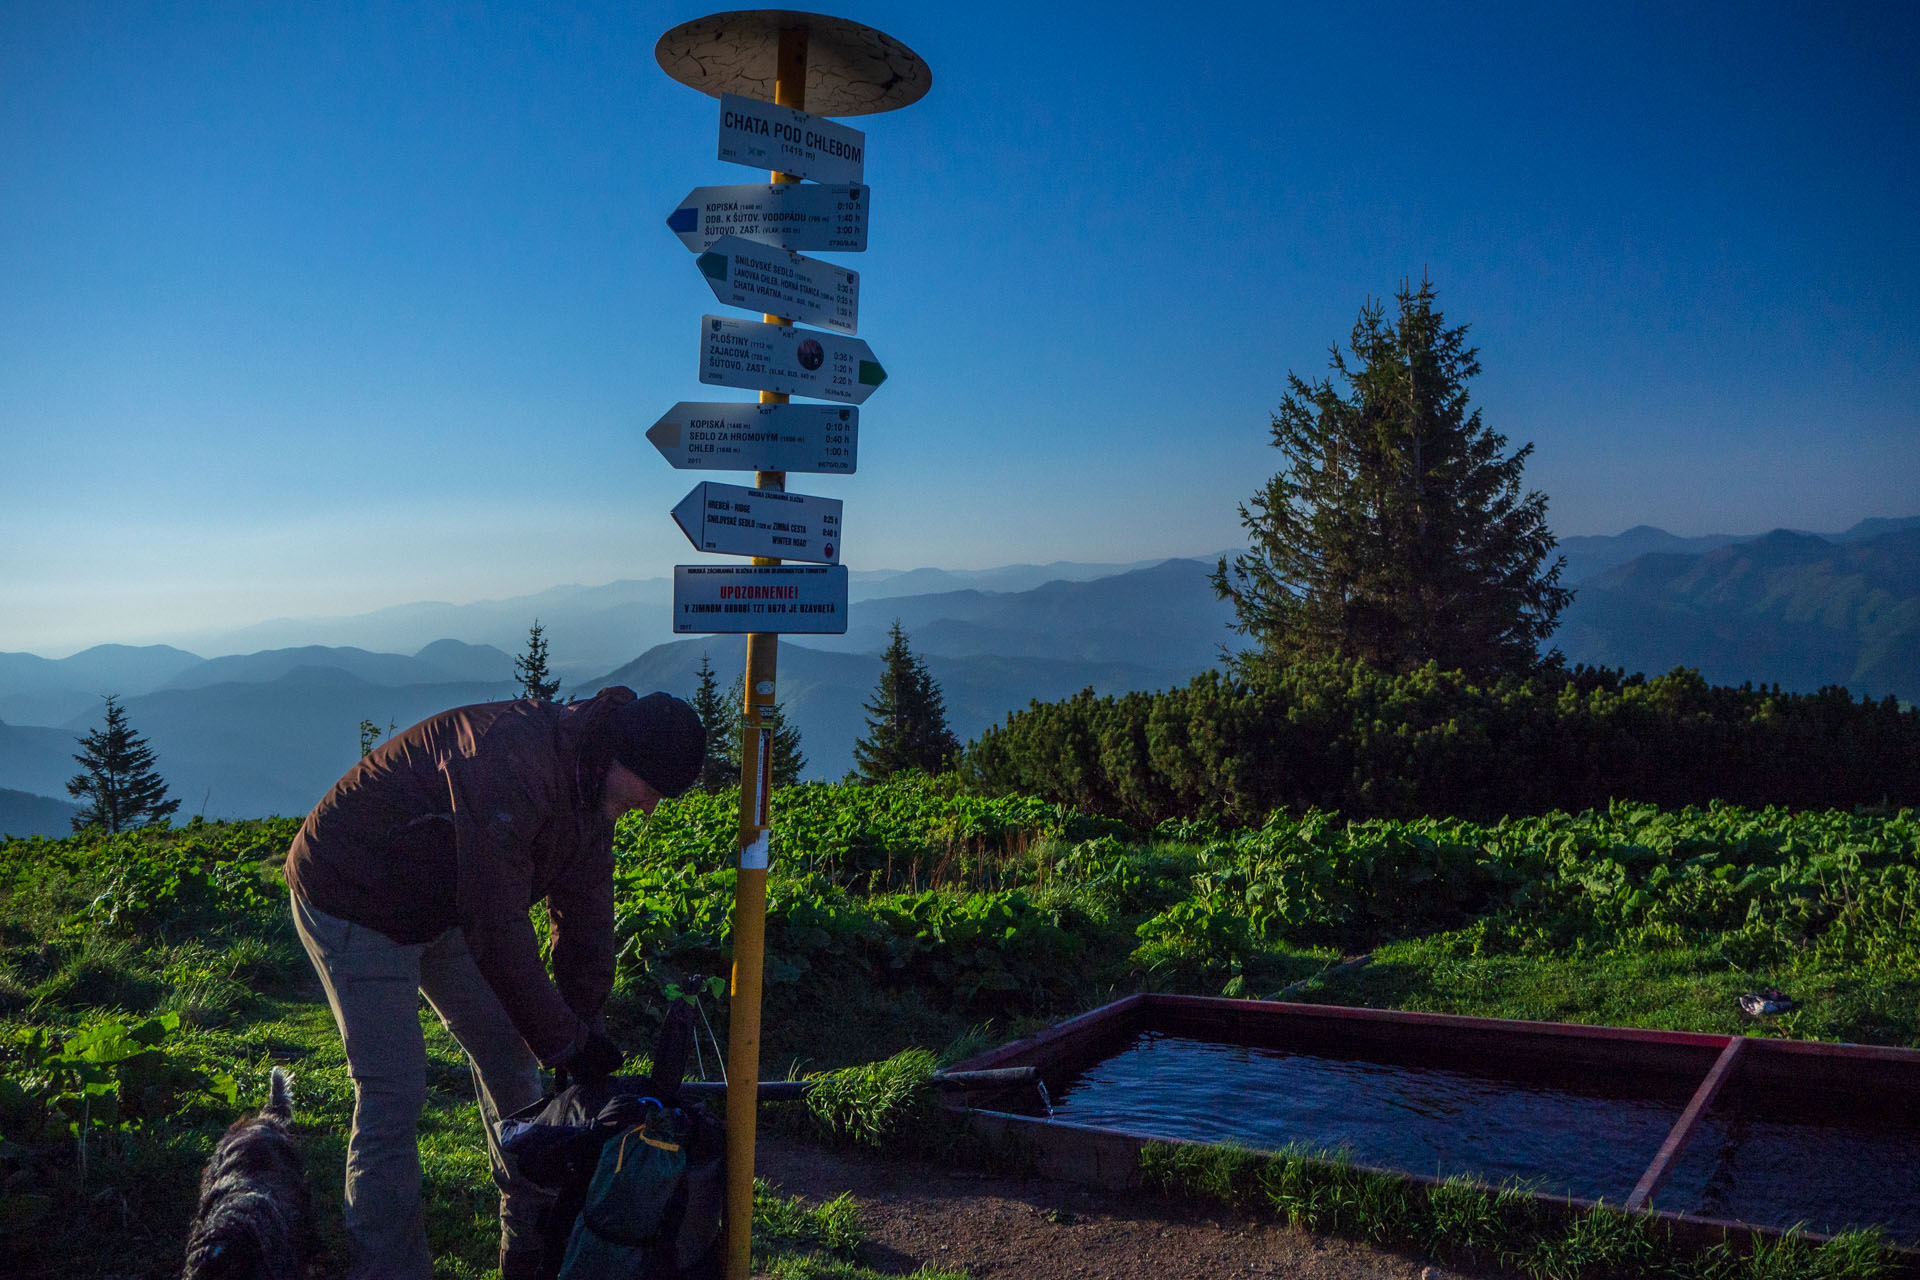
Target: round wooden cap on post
{"points": [[852, 69]]}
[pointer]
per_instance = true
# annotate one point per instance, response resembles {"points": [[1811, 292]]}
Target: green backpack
{"points": [[624, 1231]]}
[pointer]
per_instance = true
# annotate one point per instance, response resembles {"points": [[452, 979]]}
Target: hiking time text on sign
{"points": [[771, 598], [764, 136], [793, 215], [772, 281], [711, 435], [734, 520], [781, 358]]}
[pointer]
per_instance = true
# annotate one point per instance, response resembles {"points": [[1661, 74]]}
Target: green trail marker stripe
{"points": [[871, 374], [712, 265]]}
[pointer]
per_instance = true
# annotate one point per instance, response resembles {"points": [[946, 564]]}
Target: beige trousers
{"points": [[374, 986]]}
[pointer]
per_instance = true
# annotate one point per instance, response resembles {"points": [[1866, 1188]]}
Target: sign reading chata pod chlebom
{"points": [[764, 136], [768, 598]]}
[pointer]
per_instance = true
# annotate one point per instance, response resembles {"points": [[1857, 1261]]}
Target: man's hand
{"points": [[597, 1059]]}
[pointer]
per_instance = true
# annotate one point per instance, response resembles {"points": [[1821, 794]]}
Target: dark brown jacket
{"points": [[468, 819]]}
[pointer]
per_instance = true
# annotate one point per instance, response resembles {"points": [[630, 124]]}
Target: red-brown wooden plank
{"points": [[1683, 1127]]}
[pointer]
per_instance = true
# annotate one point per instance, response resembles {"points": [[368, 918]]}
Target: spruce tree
{"points": [[722, 766], [906, 719], [120, 787], [531, 668], [1399, 533], [788, 759]]}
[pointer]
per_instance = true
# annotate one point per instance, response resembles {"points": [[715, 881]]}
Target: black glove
{"points": [[597, 1059]]}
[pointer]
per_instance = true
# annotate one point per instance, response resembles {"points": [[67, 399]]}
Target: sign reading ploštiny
{"points": [[768, 279], [737, 521], [704, 435], [765, 136], [779, 357], [793, 215], [768, 598]]}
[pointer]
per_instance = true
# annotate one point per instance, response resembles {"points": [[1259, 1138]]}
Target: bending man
{"points": [[414, 875]]}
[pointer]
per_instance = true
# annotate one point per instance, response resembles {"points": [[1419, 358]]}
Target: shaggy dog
{"points": [[255, 1220]]}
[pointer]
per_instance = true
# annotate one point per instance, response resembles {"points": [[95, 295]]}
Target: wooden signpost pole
{"points": [[856, 71], [756, 798]]}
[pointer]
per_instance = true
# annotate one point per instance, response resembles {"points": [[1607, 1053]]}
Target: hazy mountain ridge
{"points": [[22, 814], [1787, 608], [588, 629], [374, 668], [1588, 556], [825, 693], [268, 731]]}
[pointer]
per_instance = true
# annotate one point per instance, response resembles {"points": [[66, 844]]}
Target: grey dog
{"points": [[255, 1220]]}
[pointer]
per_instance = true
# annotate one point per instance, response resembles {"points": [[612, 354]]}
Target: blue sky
{"points": [[310, 309]]}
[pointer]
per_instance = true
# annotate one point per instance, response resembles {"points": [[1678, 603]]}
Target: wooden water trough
{"points": [[1729, 1085]]}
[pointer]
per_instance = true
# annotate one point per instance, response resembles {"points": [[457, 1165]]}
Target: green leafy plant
{"points": [[110, 1076]]}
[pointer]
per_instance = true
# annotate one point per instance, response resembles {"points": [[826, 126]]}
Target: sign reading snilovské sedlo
{"points": [[768, 598], [735, 520], [768, 279], [706, 435]]}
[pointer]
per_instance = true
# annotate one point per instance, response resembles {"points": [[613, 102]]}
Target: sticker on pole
{"points": [[779, 357], [808, 599], [737, 521], [707, 435], [767, 278], [793, 215], [766, 136]]}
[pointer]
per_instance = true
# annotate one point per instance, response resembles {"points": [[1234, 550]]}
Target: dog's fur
{"points": [[255, 1220]]}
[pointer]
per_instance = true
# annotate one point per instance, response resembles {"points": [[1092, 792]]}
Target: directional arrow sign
{"points": [[779, 357], [765, 136], [764, 277], [769, 598], [793, 215], [737, 521], [709, 436]]}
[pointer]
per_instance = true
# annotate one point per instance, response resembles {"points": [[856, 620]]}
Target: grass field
{"points": [[900, 917]]}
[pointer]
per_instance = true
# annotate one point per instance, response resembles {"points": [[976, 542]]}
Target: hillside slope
{"points": [[1788, 608]]}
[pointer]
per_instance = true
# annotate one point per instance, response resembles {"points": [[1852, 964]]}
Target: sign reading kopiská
{"points": [[708, 435], [793, 215]]}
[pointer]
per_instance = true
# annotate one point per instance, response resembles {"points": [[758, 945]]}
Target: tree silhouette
{"points": [[1399, 533], [722, 766], [531, 668], [906, 719], [120, 787]]}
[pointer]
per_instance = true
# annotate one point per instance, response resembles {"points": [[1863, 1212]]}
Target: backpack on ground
{"points": [[638, 1174]]}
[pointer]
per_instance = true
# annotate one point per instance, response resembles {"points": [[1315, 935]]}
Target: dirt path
{"points": [[998, 1228]]}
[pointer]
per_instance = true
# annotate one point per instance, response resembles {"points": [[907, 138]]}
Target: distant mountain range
{"points": [[593, 629], [1588, 557], [22, 814], [1789, 608], [268, 730]]}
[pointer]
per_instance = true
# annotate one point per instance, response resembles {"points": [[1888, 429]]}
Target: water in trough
{"points": [[1589, 1137]]}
